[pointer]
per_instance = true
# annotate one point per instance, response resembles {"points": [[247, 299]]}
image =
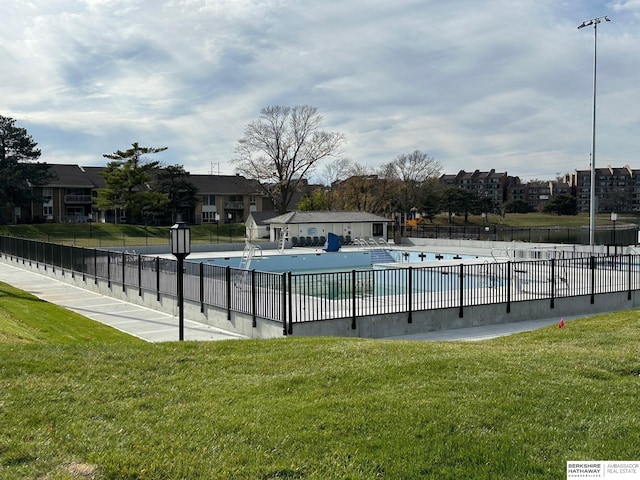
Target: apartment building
{"points": [[490, 184], [69, 197], [616, 189], [227, 198]]}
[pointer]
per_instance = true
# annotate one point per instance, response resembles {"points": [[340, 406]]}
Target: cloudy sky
{"points": [[477, 84]]}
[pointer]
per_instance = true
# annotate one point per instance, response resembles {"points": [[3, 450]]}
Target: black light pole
{"points": [[180, 236]]}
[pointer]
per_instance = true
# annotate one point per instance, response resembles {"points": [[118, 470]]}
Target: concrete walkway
{"points": [[136, 320], [155, 326]]}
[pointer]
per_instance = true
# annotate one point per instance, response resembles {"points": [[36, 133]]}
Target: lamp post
{"points": [[592, 206], [180, 236]]}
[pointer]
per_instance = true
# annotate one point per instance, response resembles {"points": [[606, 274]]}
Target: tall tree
{"points": [[562, 205], [459, 201], [127, 178], [413, 169], [173, 181], [282, 147], [19, 169], [431, 198], [333, 173]]}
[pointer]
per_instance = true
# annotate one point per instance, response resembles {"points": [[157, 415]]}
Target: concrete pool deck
{"points": [[154, 326]]}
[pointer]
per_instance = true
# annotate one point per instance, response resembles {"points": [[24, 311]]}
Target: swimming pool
{"points": [[330, 261], [305, 262]]}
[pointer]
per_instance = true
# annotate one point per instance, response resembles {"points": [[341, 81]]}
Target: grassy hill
{"points": [[80, 400]]}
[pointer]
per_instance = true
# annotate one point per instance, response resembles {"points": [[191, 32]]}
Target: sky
{"points": [[476, 84]]}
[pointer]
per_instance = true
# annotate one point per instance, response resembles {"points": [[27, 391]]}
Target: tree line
{"points": [[281, 150]]}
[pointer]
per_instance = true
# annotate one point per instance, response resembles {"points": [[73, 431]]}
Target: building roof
{"points": [[73, 176], [260, 217], [224, 184], [297, 217], [76, 176]]}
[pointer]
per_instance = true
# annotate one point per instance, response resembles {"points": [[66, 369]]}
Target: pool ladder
{"points": [[248, 254]]}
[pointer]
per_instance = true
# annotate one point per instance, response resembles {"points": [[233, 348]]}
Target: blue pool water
{"points": [[329, 261], [329, 275], [307, 262]]}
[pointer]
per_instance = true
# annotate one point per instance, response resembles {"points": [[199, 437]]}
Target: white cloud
{"points": [[477, 85]]}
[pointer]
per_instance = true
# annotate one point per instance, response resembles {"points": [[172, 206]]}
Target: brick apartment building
{"points": [[617, 189]]}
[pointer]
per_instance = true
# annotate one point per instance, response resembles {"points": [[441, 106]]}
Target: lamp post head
{"points": [[180, 236], [594, 22]]}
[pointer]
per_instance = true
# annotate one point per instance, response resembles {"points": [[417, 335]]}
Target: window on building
{"points": [[47, 194], [208, 217], [208, 200]]}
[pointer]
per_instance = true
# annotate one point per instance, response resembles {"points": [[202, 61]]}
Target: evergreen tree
{"points": [[19, 169], [127, 184], [173, 181], [562, 205]]}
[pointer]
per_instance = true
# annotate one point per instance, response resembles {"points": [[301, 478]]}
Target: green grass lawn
{"points": [[80, 400], [106, 234]]}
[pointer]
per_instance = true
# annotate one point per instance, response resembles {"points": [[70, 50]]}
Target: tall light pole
{"points": [[592, 203]]}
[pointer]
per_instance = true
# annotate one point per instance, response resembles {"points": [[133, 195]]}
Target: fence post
{"points": [[409, 294], [553, 282], [228, 278], [461, 312], [95, 266], [157, 279], [283, 310], [353, 299], [108, 269], [593, 278], [124, 263], [509, 287], [254, 322], [139, 275], [201, 287], [290, 287], [629, 276]]}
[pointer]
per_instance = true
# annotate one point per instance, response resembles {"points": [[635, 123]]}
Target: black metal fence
{"points": [[292, 298], [604, 235]]}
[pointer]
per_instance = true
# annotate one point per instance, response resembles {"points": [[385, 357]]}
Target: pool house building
{"points": [[312, 228]]}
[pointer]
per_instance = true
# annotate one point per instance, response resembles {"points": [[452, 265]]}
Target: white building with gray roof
{"points": [[312, 227]]}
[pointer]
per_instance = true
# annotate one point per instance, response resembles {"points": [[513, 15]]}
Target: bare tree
{"points": [[333, 173], [413, 170], [417, 166], [282, 147]]}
